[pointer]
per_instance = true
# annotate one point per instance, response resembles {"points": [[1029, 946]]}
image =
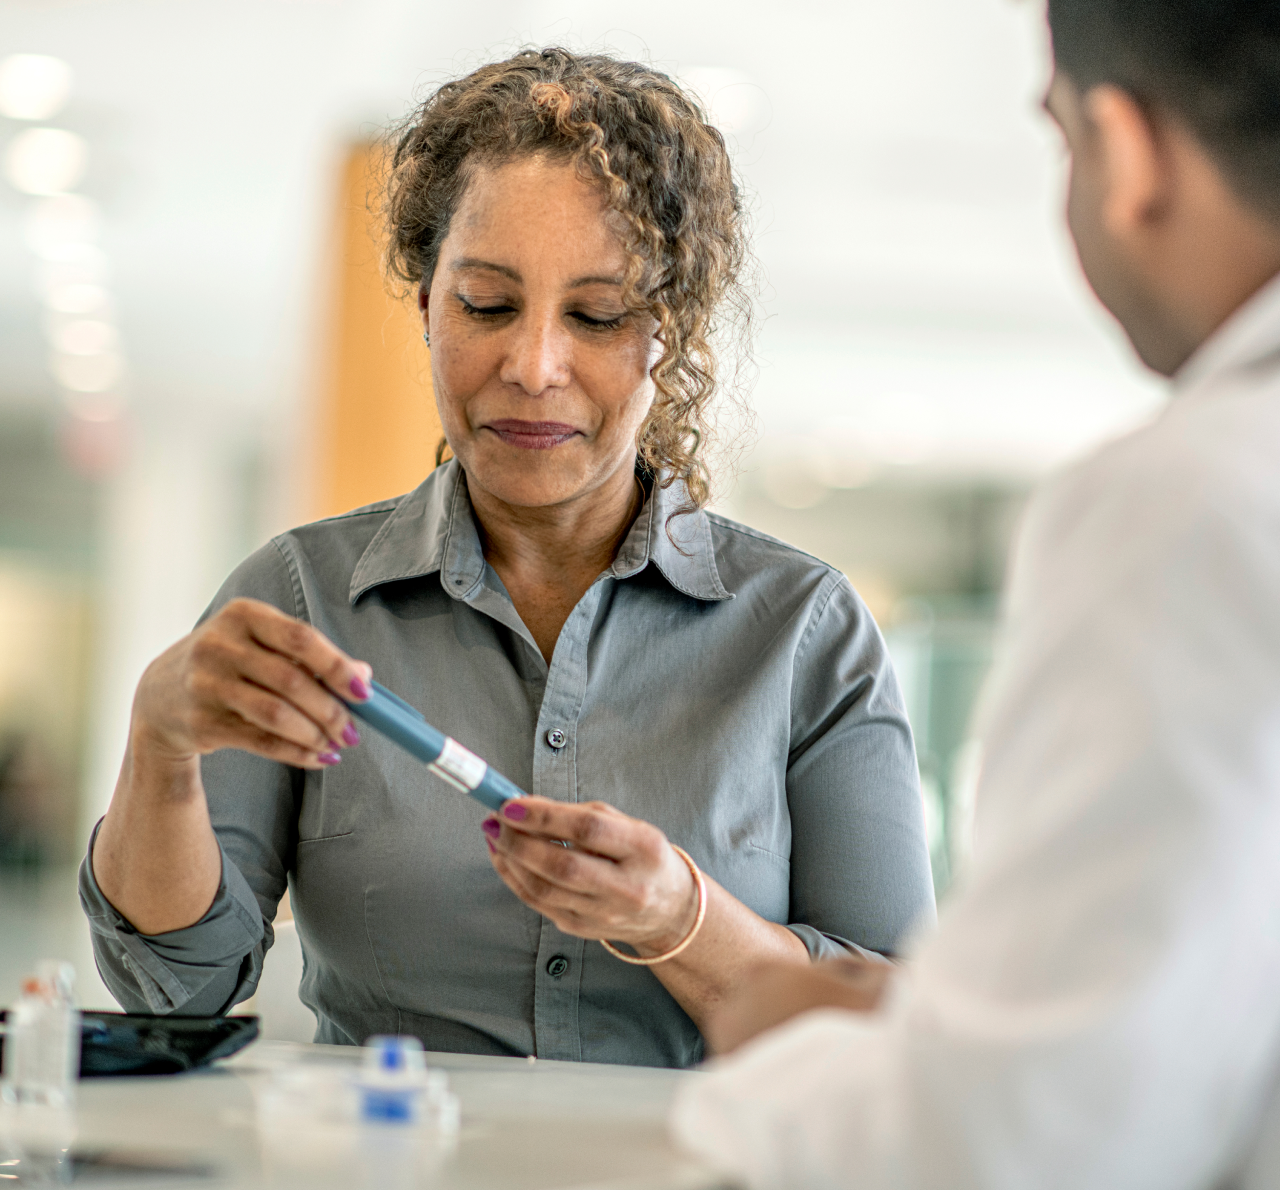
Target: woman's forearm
{"points": [[249, 677], [156, 858], [733, 939]]}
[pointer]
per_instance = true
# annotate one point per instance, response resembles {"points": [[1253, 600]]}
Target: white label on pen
{"points": [[463, 769]]}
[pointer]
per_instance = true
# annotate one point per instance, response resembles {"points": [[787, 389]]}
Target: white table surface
{"points": [[524, 1124]]}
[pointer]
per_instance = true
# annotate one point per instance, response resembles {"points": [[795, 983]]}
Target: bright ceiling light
{"points": [[82, 336], [86, 257], [33, 86], [62, 219], [46, 160], [53, 276], [77, 297], [87, 373]]}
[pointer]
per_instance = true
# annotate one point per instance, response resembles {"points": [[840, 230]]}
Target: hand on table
{"points": [[619, 880], [251, 677], [775, 992]]}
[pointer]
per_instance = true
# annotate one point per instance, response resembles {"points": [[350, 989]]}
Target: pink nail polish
{"points": [[515, 811], [491, 827], [329, 758], [350, 736], [360, 688]]}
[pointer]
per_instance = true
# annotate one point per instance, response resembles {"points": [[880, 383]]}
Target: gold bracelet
{"points": [[636, 960]]}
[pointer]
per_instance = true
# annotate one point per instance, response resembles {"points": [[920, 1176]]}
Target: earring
{"points": [[426, 338]]}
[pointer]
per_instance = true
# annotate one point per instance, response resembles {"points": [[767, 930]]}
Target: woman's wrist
{"points": [[683, 919], [152, 764]]}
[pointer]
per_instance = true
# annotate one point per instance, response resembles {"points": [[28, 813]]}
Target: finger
{"points": [[281, 677], [232, 731], [260, 708], [542, 897], [592, 826], [572, 913], [567, 868], [222, 696], [515, 878], [311, 649], [276, 717]]}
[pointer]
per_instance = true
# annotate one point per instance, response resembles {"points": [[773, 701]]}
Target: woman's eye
{"points": [[594, 323], [485, 311]]}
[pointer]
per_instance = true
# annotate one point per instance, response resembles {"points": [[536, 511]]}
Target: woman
{"points": [[556, 599]]}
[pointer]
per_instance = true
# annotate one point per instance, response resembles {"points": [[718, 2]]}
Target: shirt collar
{"points": [[431, 530], [1250, 337], [688, 562]]}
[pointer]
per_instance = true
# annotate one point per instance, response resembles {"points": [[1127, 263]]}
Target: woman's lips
{"points": [[531, 435]]}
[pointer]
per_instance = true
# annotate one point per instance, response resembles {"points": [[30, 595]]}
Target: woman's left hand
{"points": [[619, 879]]}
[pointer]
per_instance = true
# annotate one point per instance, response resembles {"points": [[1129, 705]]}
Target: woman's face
{"points": [[541, 376]]}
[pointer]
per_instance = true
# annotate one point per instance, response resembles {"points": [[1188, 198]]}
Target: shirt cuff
{"points": [[161, 973], [831, 946]]}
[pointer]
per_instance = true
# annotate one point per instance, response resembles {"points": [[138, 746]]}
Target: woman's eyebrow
{"points": [[474, 264]]}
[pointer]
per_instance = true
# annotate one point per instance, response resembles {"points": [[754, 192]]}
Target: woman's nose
{"points": [[539, 356]]}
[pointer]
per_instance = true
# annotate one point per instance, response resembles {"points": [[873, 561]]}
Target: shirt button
{"points": [[556, 738], [557, 965]]}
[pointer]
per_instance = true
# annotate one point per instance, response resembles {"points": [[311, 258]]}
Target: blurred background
{"points": [[196, 350]]}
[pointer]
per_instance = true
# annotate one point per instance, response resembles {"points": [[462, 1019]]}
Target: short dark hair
{"points": [[1212, 64]]}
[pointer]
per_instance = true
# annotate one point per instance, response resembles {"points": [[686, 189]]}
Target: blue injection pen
{"points": [[443, 755]]}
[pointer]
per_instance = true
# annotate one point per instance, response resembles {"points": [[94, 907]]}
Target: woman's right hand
{"points": [[253, 678]]}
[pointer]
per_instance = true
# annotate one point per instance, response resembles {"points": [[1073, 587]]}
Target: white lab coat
{"points": [[1099, 1006]]}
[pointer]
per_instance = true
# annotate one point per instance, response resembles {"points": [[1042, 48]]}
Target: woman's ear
{"points": [[424, 300]]}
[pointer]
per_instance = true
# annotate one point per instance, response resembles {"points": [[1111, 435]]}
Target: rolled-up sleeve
{"points": [[214, 964], [860, 876], [201, 970]]}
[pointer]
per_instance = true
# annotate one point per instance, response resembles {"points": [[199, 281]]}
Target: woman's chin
{"points": [[534, 478], [545, 487]]}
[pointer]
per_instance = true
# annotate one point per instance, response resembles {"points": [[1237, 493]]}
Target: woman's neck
{"points": [[548, 557]]}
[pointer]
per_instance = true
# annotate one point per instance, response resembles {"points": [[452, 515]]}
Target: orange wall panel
{"points": [[378, 427]]}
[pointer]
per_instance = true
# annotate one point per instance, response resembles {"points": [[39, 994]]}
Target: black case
{"points": [[116, 1044]]}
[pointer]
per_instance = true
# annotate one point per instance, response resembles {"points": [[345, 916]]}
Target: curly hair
{"points": [[661, 167]]}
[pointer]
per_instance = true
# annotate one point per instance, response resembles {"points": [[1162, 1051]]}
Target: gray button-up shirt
{"points": [[726, 687]]}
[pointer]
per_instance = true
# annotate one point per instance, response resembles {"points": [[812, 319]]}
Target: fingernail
{"points": [[360, 688], [330, 758], [350, 736], [491, 827], [492, 849], [515, 811]]}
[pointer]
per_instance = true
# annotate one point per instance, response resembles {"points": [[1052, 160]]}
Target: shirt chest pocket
{"points": [[445, 933], [374, 784]]}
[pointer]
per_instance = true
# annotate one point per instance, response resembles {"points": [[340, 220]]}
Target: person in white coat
{"points": [[1099, 1005]]}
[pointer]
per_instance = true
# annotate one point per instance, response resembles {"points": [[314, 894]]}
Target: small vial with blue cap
{"points": [[393, 1083]]}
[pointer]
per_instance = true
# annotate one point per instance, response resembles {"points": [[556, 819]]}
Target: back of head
{"points": [[1214, 65]]}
